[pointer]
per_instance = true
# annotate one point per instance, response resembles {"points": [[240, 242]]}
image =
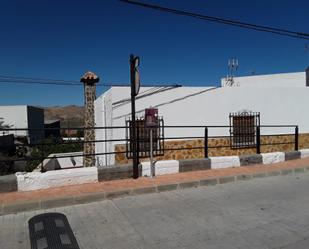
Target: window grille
{"points": [[243, 129], [143, 135]]}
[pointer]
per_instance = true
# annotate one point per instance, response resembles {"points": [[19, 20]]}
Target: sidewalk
{"points": [[76, 194]]}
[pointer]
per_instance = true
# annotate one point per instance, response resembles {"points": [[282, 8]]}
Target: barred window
{"points": [[143, 135], [243, 129]]}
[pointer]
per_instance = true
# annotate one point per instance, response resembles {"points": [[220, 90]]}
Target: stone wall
{"points": [[89, 134], [225, 151], [89, 79]]}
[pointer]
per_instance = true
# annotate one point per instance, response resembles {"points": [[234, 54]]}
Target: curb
{"points": [[10, 208], [58, 178]]}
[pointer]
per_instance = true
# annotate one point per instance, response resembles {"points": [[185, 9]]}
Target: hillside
{"points": [[72, 115]]}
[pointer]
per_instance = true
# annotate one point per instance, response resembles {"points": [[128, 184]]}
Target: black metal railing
{"points": [[294, 132], [44, 148]]}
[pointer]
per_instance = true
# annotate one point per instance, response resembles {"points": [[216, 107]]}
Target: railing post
{"points": [[296, 137], [42, 156], [258, 140], [206, 142], [137, 146]]}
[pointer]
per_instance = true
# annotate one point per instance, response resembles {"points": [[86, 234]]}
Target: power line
{"points": [[42, 81], [154, 90], [7, 79], [37, 79], [268, 29], [3, 81]]}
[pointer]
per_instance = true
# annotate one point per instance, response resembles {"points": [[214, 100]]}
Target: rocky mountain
{"points": [[69, 116]]}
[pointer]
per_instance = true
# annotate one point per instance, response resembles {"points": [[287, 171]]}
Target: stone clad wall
{"points": [[89, 147], [226, 151]]}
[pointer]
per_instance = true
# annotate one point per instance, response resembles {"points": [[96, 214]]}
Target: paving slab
{"points": [[253, 214]]}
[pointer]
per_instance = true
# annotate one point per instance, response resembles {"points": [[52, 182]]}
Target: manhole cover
{"points": [[51, 231]]}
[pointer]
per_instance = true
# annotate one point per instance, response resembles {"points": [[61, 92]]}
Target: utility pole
{"points": [[135, 85]]}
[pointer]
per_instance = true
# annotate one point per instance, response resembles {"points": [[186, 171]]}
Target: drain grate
{"points": [[51, 231]]}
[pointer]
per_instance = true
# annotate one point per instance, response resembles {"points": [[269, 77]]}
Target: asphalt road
{"points": [[269, 212]]}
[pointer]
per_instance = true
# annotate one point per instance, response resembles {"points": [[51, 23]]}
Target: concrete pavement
{"points": [[269, 212]]}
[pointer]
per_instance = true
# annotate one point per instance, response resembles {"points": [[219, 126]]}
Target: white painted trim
{"points": [[304, 153], [224, 162], [161, 167], [273, 157], [56, 178]]}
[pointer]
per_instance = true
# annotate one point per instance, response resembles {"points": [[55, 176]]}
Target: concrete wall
{"points": [[16, 117], [24, 117], [57, 178], [270, 80]]}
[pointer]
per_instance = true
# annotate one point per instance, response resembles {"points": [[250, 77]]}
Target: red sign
{"points": [[151, 117]]}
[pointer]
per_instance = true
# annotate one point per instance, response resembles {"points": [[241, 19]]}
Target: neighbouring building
{"points": [[7, 144], [25, 117], [52, 128], [275, 99]]}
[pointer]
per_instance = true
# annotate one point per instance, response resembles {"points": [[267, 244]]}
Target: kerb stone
{"points": [[194, 164], [250, 159]]}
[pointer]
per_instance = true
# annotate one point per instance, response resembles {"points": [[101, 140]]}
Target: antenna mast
{"points": [[232, 68]]}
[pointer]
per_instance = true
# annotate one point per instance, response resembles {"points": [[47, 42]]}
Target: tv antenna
{"points": [[232, 68]]}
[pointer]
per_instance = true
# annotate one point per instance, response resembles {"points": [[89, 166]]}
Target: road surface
{"points": [[270, 212]]}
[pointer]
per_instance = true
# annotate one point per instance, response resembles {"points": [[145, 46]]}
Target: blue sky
{"points": [[63, 39]]}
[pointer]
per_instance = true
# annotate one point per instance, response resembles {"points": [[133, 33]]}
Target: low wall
{"points": [[214, 152], [57, 178]]}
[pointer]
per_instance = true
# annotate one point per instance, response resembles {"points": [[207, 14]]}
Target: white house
{"points": [[24, 117], [281, 99]]}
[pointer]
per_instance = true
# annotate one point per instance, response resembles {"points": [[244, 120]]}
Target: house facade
{"points": [[279, 99]]}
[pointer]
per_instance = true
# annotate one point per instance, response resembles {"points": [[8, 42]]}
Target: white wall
{"points": [[16, 117], [212, 106], [103, 118], [271, 80], [24, 117]]}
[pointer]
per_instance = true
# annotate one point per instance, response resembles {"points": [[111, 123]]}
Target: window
{"points": [[144, 139], [243, 129]]}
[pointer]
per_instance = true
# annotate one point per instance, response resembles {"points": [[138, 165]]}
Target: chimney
{"points": [[89, 79], [307, 76]]}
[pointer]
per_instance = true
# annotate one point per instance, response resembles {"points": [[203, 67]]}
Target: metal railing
{"points": [[257, 136], [43, 147]]}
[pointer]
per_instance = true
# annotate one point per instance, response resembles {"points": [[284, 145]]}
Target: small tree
{"points": [[6, 167]]}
